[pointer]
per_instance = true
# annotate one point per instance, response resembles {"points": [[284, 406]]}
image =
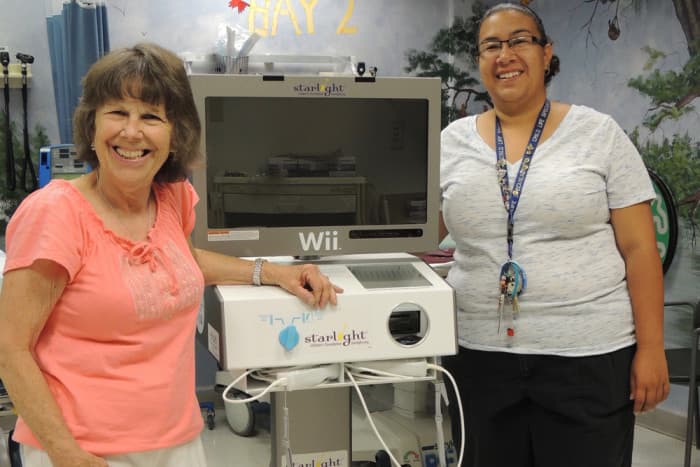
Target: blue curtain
{"points": [[77, 38]]}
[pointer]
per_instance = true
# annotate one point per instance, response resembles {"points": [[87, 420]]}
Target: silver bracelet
{"points": [[257, 270]]}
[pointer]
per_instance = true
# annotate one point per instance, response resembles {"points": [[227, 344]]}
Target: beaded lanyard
{"points": [[512, 278]]}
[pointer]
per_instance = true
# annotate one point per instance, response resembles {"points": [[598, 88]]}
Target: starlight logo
{"points": [[330, 461], [338, 338], [321, 88]]}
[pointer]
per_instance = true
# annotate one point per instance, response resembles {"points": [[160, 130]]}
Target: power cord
{"points": [[286, 445], [369, 417], [292, 378], [11, 177], [272, 385], [391, 368], [459, 405], [309, 377], [439, 388], [440, 442]]}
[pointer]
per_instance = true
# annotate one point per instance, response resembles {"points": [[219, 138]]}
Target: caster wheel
{"points": [[240, 417], [209, 416]]}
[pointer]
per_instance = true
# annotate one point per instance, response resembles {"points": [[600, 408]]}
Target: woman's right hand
{"points": [[305, 281]]}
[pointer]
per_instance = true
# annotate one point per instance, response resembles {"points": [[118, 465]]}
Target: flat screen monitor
{"points": [[315, 166]]}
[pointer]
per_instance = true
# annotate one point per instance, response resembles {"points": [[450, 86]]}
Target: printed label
{"points": [[214, 340], [318, 459], [225, 235]]}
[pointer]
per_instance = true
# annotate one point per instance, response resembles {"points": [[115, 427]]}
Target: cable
{"points": [[375, 373], [459, 405], [286, 444], [262, 377], [10, 175], [440, 442], [365, 377], [249, 399], [438, 410], [279, 382], [25, 59], [294, 378], [267, 374], [326, 371], [369, 417], [404, 368], [310, 377]]}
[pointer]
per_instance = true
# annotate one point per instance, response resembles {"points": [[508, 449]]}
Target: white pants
{"points": [[190, 454]]}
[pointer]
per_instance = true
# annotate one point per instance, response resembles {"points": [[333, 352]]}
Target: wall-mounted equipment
{"points": [[15, 69], [60, 161]]}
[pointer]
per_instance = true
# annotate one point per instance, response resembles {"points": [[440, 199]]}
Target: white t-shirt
{"points": [[576, 301]]}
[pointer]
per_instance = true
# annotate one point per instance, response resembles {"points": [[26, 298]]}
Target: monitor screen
{"points": [[309, 166]]}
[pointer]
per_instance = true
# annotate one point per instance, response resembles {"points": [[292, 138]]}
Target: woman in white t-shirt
{"points": [[558, 280]]}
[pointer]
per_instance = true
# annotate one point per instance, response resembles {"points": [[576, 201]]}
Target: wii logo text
{"points": [[316, 241]]}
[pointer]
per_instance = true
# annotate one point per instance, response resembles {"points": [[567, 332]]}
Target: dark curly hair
{"points": [[153, 75], [553, 68]]}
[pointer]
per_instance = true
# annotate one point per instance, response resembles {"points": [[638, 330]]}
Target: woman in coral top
{"points": [[102, 286]]}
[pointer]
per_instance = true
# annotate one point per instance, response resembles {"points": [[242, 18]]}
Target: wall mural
{"points": [[637, 60], [659, 75]]}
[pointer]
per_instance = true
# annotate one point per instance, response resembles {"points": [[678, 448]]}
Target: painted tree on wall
{"points": [[671, 94], [676, 159], [449, 48]]}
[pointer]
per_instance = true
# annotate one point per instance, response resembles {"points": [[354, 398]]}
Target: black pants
{"points": [[543, 411]]}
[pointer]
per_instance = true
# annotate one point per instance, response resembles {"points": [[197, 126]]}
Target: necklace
{"points": [[113, 210]]}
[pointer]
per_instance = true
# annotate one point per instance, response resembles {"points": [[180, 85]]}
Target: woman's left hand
{"points": [[649, 383], [305, 281]]}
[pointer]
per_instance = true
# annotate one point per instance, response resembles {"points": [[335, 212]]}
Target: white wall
{"points": [[377, 32], [23, 29], [595, 70]]}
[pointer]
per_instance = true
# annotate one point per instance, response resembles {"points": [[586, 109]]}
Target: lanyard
{"points": [[511, 197]]}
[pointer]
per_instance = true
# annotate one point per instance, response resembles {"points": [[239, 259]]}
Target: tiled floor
{"points": [[652, 449], [226, 449]]}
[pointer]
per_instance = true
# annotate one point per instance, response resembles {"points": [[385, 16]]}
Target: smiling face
{"points": [[132, 140], [513, 77]]}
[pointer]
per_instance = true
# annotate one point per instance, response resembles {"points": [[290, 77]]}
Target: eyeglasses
{"points": [[492, 47]]}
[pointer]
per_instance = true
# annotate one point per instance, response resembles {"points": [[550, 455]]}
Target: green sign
{"points": [[663, 210]]}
